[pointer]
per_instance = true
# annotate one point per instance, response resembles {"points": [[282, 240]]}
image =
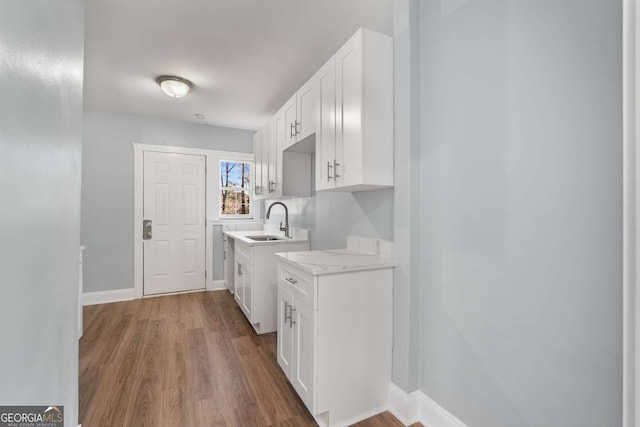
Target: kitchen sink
{"points": [[264, 238]]}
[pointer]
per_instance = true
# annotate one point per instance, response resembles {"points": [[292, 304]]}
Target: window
{"points": [[235, 189]]}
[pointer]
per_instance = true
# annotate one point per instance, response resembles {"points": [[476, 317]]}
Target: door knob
{"points": [[146, 229]]}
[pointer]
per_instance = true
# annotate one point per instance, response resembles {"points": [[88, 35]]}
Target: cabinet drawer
{"points": [[243, 250], [302, 284]]}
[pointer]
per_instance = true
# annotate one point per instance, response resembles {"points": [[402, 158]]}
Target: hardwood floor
{"points": [[184, 360]]}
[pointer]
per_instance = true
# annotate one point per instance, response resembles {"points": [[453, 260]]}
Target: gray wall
{"points": [[107, 185], [40, 143], [521, 187]]}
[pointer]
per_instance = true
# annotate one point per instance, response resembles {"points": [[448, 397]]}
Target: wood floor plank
{"points": [[185, 360]]}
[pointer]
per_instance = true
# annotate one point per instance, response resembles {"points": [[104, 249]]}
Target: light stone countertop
{"points": [[335, 261]]}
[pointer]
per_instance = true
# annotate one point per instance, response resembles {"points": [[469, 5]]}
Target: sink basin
{"points": [[264, 238]]}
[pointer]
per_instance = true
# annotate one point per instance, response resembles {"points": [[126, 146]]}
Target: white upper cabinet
{"points": [[293, 169], [326, 126], [264, 149], [290, 120], [272, 160], [299, 114], [280, 128], [257, 164], [306, 96], [348, 105], [355, 123]]}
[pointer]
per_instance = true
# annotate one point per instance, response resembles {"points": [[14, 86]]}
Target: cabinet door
{"points": [[280, 127], [349, 86], [238, 283], [225, 267], [247, 290], [264, 158], [304, 355], [285, 330], [257, 163], [306, 110], [290, 116], [325, 80], [274, 164]]}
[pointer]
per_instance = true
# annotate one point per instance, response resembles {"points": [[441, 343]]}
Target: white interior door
{"points": [[174, 202]]}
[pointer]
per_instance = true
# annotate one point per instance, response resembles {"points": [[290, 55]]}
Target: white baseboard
{"points": [[216, 285], [103, 297], [416, 407]]}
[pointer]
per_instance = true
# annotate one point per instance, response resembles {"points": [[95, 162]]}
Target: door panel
{"points": [[247, 294], [290, 122], [238, 283], [162, 205], [281, 141], [189, 204], [305, 103], [264, 158], [304, 338], [326, 125], [257, 164], [273, 160], [189, 256], [349, 112], [285, 332], [174, 201]]}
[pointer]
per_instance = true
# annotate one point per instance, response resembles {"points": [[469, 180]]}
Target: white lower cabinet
{"points": [[227, 264], [334, 341], [296, 338], [243, 282], [255, 281]]}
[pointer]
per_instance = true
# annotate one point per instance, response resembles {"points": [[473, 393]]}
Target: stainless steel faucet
{"points": [[286, 217]]}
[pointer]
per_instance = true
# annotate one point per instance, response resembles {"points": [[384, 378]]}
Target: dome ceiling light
{"points": [[174, 87]]}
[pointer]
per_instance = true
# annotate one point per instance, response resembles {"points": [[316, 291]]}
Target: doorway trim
{"points": [[631, 164], [212, 160]]}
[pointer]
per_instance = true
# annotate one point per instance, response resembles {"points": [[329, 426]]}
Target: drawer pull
{"points": [[291, 321], [287, 312], [291, 280]]}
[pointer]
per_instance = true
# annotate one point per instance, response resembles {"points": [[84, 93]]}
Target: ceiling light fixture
{"points": [[173, 86]]}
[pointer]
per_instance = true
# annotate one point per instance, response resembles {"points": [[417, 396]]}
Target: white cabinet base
{"points": [[256, 281], [341, 341]]}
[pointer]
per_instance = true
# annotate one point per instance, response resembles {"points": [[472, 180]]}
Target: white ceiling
{"points": [[244, 57]]}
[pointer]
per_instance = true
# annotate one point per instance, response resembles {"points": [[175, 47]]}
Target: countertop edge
{"points": [[382, 266]]}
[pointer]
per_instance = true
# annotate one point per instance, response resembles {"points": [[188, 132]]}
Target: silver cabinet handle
{"points": [[292, 131], [297, 124], [287, 309], [335, 169], [291, 321], [329, 171], [291, 280], [239, 269]]}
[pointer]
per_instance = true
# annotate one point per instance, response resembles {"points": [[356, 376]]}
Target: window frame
{"points": [[249, 189]]}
